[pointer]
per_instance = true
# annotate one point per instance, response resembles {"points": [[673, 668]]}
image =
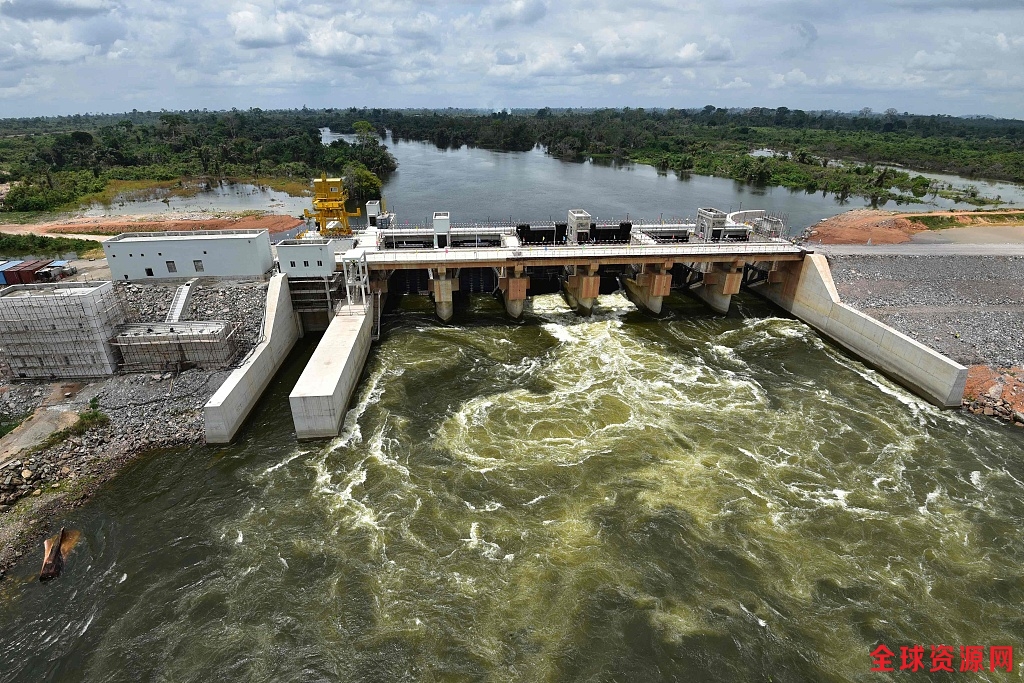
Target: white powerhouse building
{"points": [[200, 253]]}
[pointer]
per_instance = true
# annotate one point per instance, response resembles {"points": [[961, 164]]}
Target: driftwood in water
{"points": [[53, 558]]}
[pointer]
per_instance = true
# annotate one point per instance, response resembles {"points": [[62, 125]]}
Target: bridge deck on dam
{"points": [[498, 257]]}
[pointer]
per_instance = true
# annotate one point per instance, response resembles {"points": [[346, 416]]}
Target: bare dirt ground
{"points": [[99, 227], [890, 227], [996, 391]]}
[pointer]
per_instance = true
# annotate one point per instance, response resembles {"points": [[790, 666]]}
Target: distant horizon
{"points": [[516, 111], [960, 57]]}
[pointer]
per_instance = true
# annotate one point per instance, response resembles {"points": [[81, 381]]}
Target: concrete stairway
{"points": [[180, 301]]}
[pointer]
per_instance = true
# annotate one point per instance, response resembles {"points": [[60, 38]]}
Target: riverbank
{"points": [[146, 412], [969, 308], [871, 226], [99, 227]]}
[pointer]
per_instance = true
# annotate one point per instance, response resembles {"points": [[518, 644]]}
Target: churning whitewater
{"points": [[608, 498]]}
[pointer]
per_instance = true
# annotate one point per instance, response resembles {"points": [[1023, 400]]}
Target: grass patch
{"points": [[16, 246], [87, 419], [10, 423], [293, 187], [936, 222], [26, 217], [118, 191]]}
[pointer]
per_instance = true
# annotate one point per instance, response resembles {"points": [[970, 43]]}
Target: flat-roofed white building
{"points": [[183, 255], [310, 257]]}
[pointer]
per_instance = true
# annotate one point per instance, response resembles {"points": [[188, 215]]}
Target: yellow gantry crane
{"points": [[329, 198]]}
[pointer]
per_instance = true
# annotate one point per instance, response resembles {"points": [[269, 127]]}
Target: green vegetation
{"points": [[827, 152], [939, 222], [16, 246], [8, 423], [52, 165], [87, 419], [60, 161]]}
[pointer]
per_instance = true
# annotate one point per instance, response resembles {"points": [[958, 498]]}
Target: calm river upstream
{"points": [[695, 498]]}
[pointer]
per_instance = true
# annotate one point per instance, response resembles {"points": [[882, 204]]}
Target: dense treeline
{"points": [[804, 149], [17, 246], [55, 169], [58, 160]]}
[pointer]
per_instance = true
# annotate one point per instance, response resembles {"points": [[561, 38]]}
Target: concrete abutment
{"points": [[805, 289]]}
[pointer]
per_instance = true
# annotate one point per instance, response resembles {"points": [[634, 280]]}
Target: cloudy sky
{"points": [[923, 56]]}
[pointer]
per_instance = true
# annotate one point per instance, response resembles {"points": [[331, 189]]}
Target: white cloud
{"points": [[917, 55]]}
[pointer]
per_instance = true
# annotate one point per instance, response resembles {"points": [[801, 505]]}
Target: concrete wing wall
{"points": [[230, 405], [810, 294], [320, 397]]}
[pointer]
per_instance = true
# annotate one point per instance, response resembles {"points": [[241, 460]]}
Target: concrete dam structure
{"points": [[712, 258]]}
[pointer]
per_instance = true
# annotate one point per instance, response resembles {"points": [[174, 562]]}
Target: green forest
{"points": [[59, 162]]}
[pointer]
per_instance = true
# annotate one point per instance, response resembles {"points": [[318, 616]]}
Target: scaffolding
{"points": [[173, 347], [58, 331]]}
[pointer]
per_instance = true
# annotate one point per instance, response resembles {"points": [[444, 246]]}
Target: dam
{"points": [[713, 259]]}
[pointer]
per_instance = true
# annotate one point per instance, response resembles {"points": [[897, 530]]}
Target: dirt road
{"points": [[100, 228]]}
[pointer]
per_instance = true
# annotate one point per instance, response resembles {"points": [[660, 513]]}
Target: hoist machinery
{"points": [[329, 198]]}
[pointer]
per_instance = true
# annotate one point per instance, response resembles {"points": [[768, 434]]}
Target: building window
{"points": [[159, 253], [171, 267], [130, 255], [204, 251], [198, 265], [149, 272], [319, 263], [293, 263], [305, 264]]}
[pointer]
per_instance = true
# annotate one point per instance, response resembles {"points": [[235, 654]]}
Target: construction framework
{"points": [[176, 346], [60, 331]]}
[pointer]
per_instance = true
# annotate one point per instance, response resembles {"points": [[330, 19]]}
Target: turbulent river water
{"points": [[696, 498]]}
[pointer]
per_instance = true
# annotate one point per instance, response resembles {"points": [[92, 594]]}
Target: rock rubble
{"points": [[970, 308], [146, 411]]}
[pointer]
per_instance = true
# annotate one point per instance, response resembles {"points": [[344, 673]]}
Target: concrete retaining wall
{"points": [[809, 293], [227, 409], [320, 397]]}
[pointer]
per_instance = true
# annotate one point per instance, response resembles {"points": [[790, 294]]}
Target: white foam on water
{"points": [[487, 548], [284, 462], [761, 622]]}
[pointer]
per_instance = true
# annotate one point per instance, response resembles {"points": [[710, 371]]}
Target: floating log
{"points": [[53, 558]]}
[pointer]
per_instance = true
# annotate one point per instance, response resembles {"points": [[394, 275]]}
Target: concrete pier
{"points": [[806, 290], [720, 282], [581, 288], [651, 285], [514, 287], [442, 284], [227, 409], [321, 396]]}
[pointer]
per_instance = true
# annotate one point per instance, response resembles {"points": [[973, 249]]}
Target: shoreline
{"points": [[147, 412]]}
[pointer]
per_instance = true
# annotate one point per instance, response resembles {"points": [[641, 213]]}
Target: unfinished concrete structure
{"points": [[60, 330], [175, 346]]}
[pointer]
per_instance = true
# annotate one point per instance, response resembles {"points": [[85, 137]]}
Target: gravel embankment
{"points": [[970, 308], [146, 410]]}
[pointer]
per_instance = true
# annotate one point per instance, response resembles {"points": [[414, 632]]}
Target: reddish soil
{"points": [[883, 227], [860, 225], [988, 385], [105, 225]]}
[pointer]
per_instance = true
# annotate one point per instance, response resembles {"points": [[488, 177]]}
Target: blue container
{"points": [[9, 264]]}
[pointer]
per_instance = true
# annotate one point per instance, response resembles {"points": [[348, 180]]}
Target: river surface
{"points": [[478, 184], [696, 498]]}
